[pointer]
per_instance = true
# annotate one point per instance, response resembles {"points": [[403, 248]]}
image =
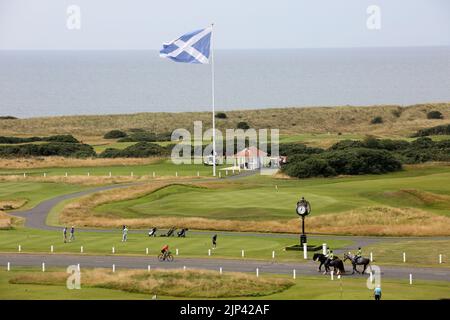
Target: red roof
{"points": [[251, 152]]}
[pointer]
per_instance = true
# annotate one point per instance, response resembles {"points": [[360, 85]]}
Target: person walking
{"points": [[65, 234], [72, 234], [214, 241], [377, 293], [124, 234]]}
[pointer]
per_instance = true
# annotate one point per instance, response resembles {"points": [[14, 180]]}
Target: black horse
{"points": [[336, 263]]}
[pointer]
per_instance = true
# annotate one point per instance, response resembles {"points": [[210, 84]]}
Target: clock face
{"points": [[301, 210]]}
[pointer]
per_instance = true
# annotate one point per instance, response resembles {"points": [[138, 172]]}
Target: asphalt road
{"points": [[308, 268]]}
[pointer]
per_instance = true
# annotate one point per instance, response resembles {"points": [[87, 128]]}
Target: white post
{"points": [[154, 175], [305, 251], [176, 174], [89, 174], [220, 270], [226, 172], [294, 275], [110, 174], [113, 268], [132, 173], [43, 266], [209, 252], [273, 254], [371, 277], [184, 268], [24, 175], [213, 103], [66, 174], [220, 174], [51, 248], [20, 248], [146, 250], [332, 275], [149, 268], [440, 258], [257, 272], [324, 248], [113, 250], [410, 278], [242, 253], [404, 256], [176, 251], [78, 267], [371, 257], [198, 173], [8, 267], [81, 249], [45, 174]]}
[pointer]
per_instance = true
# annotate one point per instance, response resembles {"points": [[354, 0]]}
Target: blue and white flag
{"points": [[193, 47]]}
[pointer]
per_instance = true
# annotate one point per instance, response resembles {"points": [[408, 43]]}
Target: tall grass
{"points": [[175, 283]]}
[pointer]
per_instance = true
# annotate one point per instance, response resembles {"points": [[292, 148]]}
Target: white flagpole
{"points": [[213, 103]]}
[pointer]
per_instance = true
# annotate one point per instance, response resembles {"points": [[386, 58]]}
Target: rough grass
{"points": [[175, 283], [14, 203], [397, 120], [362, 221], [60, 162]]}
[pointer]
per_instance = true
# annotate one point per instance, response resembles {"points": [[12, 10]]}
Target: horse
{"points": [[336, 263], [361, 261]]}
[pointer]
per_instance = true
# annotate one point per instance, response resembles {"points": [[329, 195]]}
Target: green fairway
{"points": [[35, 192], [161, 168], [265, 198], [229, 246], [305, 288]]}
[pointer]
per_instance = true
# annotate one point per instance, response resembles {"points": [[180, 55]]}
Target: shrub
{"points": [[62, 149], [376, 120], [59, 138], [139, 150], [8, 118], [434, 115], [311, 167], [243, 125], [221, 115], [146, 137], [67, 138], [114, 134], [438, 130]]}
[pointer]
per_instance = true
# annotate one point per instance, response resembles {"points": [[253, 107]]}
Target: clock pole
{"points": [[303, 209]]}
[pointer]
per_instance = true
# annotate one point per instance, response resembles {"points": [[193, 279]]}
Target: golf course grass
{"points": [[194, 245], [265, 198], [163, 167], [303, 288]]}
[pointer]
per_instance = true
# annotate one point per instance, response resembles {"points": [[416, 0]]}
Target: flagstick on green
{"points": [[213, 101]]}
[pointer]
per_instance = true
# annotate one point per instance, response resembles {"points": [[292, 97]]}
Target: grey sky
{"points": [[240, 24]]}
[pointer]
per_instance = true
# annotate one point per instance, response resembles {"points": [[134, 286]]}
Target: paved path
{"points": [[239, 265]]}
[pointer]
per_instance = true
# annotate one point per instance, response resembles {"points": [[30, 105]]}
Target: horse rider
{"points": [[329, 258], [358, 255]]}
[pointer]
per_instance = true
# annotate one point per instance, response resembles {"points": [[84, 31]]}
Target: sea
{"points": [[51, 83]]}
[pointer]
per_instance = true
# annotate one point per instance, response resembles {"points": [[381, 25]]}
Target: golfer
{"points": [[124, 234], [214, 241], [65, 234], [72, 234]]}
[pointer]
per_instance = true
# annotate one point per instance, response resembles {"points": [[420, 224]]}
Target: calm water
{"points": [[41, 83]]}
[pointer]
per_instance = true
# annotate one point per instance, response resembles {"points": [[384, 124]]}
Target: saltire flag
{"points": [[193, 47]]}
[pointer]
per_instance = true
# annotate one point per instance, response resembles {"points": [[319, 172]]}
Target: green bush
{"points": [[377, 120], [307, 168], [114, 134], [243, 125], [221, 115], [146, 137], [62, 149], [438, 130], [139, 150], [58, 138], [435, 115]]}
